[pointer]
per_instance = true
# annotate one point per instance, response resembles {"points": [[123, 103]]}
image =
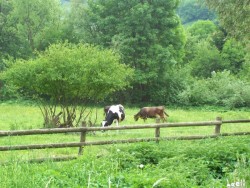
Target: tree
{"points": [[36, 22], [191, 11], [202, 29], [207, 59], [149, 36], [233, 52], [73, 21], [9, 42], [234, 16], [67, 75]]}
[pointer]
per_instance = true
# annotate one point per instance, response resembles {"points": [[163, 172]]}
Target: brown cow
{"points": [[152, 112]]}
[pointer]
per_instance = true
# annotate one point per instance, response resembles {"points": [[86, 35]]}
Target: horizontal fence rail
{"points": [[89, 129], [80, 144], [83, 130]]}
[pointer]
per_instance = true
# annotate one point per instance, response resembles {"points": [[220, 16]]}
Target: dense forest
{"points": [[142, 52]]}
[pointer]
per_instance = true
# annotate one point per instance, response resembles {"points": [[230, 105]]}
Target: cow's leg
{"points": [[162, 118], [117, 124], [157, 120]]}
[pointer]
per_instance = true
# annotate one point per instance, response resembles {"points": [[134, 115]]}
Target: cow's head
{"points": [[136, 117], [104, 123]]}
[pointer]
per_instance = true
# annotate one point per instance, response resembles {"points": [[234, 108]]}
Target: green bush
{"points": [[221, 89], [67, 75], [65, 72]]}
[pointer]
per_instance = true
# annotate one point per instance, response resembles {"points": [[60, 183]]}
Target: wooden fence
{"points": [[84, 130]]}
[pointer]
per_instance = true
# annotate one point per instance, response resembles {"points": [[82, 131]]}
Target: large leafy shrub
{"points": [[68, 74]]}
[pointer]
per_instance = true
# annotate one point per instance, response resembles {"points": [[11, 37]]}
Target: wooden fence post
{"points": [[82, 138], [157, 134], [217, 127], [157, 130]]}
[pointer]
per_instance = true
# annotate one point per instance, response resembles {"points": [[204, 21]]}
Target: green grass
{"points": [[203, 163], [200, 163]]}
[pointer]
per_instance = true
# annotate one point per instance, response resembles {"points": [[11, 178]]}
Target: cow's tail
{"points": [[166, 113]]}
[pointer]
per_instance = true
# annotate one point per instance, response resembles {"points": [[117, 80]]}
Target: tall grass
{"points": [[203, 163]]}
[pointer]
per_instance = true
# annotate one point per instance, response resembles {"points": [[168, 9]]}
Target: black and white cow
{"points": [[115, 112]]}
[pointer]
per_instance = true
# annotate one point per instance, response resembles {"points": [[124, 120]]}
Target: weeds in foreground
{"points": [[204, 163]]}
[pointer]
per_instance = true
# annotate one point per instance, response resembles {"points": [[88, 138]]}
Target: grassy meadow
{"points": [[199, 163]]}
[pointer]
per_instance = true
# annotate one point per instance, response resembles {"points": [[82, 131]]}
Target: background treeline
{"points": [[182, 52]]}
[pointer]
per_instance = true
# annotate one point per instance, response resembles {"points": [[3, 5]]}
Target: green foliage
{"points": [[206, 60], [221, 89], [234, 93], [176, 163], [175, 81], [149, 37], [65, 72], [9, 41], [234, 53], [68, 74], [245, 72], [201, 32], [204, 163], [191, 11], [36, 23], [202, 29], [234, 16], [148, 34], [219, 38], [73, 21]]}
